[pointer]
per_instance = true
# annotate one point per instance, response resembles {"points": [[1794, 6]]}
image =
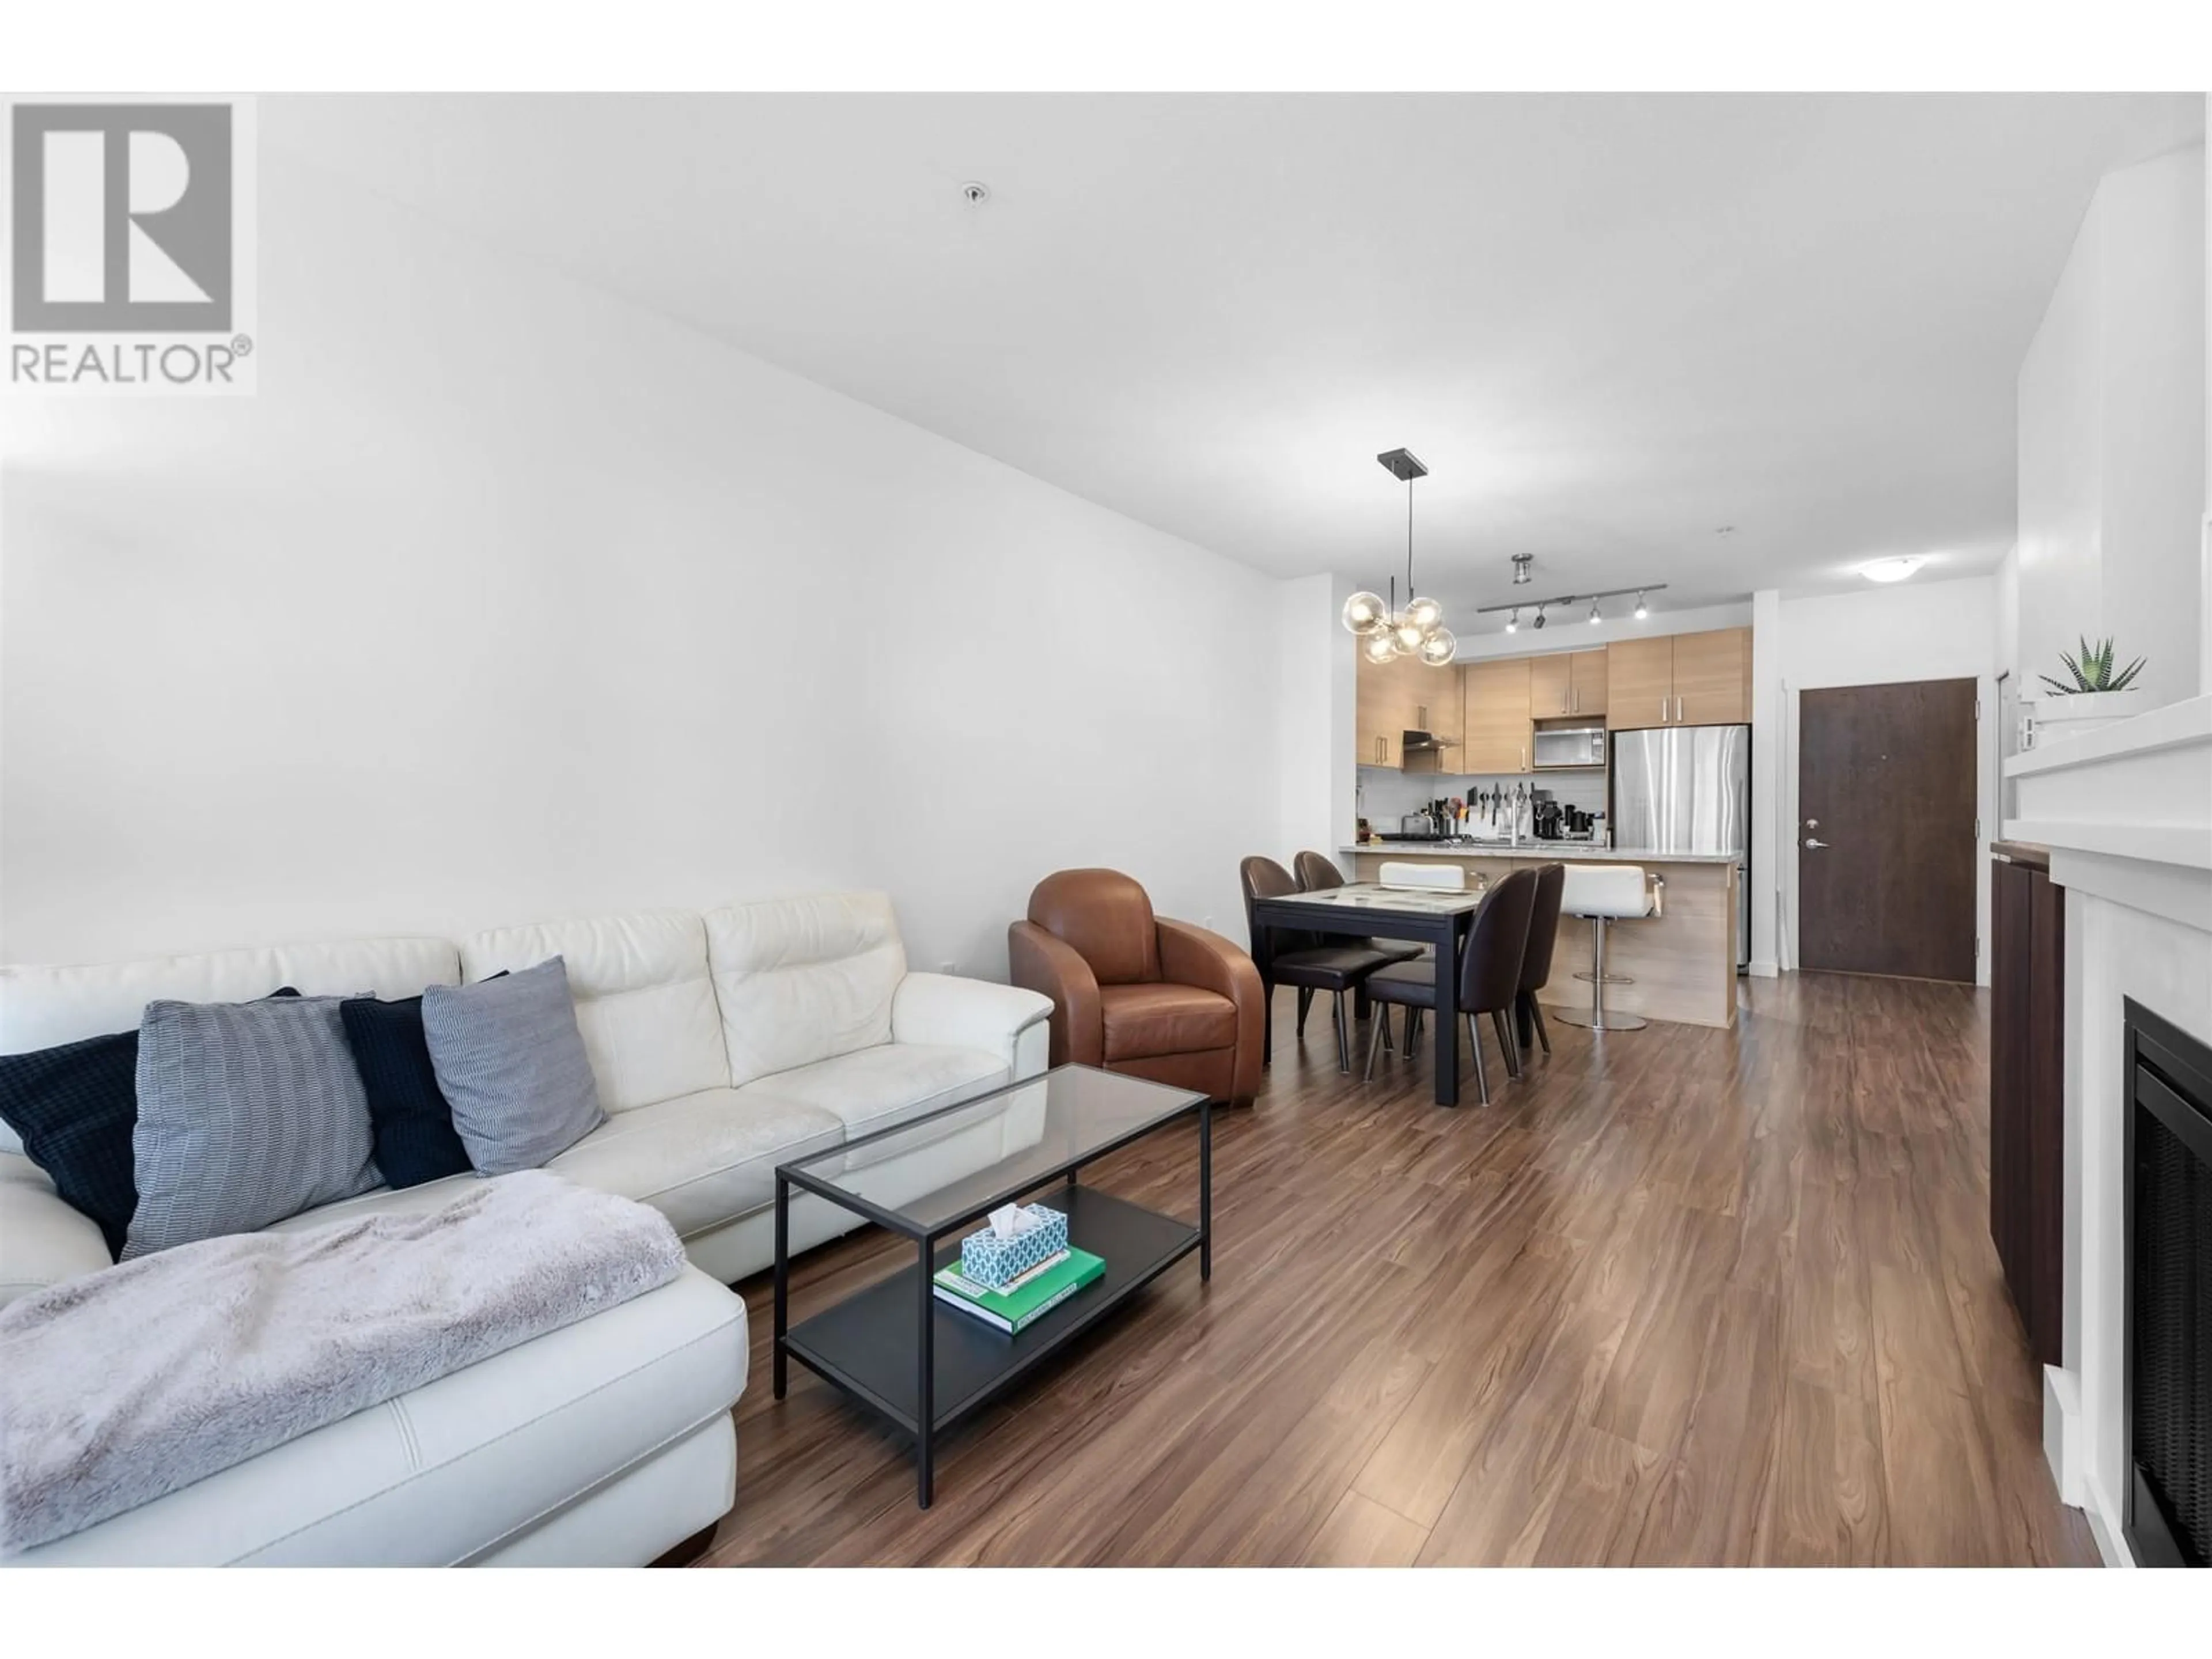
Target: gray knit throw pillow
{"points": [[248, 1112], [511, 1063]]}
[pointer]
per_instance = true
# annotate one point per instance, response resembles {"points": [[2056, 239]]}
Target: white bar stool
{"points": [[1603, 893]]}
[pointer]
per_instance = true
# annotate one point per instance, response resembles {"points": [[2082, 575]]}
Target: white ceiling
{"points": [[1609, 324]]}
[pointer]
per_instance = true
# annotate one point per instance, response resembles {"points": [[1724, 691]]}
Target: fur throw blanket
{"points": [[129, 1383]]}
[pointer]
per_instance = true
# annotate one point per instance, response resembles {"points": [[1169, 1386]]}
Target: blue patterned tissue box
{"points": [[989, 1261]]}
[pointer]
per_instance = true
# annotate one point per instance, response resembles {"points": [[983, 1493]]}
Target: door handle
{"points": [[1677, 709], [1662, 711], [1809, 841]]}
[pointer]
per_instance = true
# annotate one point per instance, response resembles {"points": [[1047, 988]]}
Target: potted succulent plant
{"points": [[2094, 693]]}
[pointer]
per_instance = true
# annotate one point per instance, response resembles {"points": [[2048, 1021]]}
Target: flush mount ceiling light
{"points": [[1520, 563], [1890, 570], [1387, 633]]}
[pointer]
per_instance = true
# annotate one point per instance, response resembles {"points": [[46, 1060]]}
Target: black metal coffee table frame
{"points": [[894, 1347]]}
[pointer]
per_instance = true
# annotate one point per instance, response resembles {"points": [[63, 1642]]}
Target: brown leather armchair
{"points": [[1133, 992]]}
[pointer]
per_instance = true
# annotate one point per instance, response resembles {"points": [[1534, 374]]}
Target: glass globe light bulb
{"points": [[1436, 650], [1407, 635], [1424, 614], [1365, 613], [1379, 648]]}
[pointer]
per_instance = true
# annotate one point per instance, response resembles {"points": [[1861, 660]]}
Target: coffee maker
{"points": [[1546, 817]]}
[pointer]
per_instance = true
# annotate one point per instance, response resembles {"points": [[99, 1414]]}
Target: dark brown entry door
{"points": [[1886, 881]]}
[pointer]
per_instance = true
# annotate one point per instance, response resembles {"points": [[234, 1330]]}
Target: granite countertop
{"points": [[1577, 851]]}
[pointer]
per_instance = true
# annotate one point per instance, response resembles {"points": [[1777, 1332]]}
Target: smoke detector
{"points": [[974, 193], [1520, 563]]}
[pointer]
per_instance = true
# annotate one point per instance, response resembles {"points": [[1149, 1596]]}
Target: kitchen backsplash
{"points": [[1387, 795]]}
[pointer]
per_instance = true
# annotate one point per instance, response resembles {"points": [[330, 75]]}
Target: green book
{"points": [[1027, 1302]]}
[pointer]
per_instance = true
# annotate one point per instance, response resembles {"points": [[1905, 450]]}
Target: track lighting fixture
{"points": [[1515, 607]]}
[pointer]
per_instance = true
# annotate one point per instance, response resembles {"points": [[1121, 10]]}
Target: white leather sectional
{"points": [[722, 1045]]}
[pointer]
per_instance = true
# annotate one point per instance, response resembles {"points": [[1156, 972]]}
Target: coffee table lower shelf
{"points": [[869, 1344]]}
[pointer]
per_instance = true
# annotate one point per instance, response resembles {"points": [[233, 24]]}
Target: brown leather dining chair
{"points": [[1536, 959], [1136, 992], [1334, 965], [1489, 977]]}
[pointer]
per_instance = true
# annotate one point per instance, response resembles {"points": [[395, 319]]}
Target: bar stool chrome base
{"points": [[1588, 978], [1599, 1018]]}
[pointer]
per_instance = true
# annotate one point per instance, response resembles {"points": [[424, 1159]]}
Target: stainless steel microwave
{"points": [[1575, 745]]}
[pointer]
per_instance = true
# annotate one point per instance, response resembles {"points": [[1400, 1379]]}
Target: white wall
{"points": [[1314, 712], [506, 601], [2111, 434], [1768, 732], [2005, 580], [1913, 631]]}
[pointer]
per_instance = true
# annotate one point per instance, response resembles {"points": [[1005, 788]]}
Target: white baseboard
{"points": [[1764, 970], [2062, 1433]]}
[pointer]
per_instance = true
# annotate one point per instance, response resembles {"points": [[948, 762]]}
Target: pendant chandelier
{"points": [[1387, 633]]}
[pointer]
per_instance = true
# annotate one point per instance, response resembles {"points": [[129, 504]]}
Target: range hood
{"points": [[1425, 743]]}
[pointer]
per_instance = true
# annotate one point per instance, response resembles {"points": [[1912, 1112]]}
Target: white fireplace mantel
{"points": [[2126, 812]]}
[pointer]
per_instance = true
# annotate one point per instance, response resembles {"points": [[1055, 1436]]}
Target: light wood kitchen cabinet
{"points": [[1640, 682], [1496, 721], [1551, 685], [1592, 678], [1712, 677], [1567, 683], [1408, 695], [1680, 679], [1380, 719]]}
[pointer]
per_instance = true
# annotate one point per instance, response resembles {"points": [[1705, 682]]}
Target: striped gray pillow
{"points": [[248, 1112], [511, 1063]]}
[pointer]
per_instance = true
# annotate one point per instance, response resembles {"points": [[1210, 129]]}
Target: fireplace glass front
{"points": [[2169, 1292]]}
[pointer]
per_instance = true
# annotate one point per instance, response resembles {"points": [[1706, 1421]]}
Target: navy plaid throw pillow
{"points": [[75, 1107]]}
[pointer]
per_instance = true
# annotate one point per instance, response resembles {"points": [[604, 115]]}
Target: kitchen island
{"points": [[1682, 959]]}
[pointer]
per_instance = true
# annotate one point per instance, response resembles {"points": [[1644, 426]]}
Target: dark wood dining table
{"points": [[1368, 909]]}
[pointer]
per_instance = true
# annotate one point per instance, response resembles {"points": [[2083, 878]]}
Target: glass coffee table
{"points": [[894, 1346]]}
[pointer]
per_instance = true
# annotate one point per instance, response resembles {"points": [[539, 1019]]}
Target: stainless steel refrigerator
{"points": [[1687, 789]]}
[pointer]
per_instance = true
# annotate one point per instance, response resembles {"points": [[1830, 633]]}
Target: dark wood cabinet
{"points": [[2027, 1090]]}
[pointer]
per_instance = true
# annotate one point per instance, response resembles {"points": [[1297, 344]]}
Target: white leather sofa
{"points": [[722, 1045]]}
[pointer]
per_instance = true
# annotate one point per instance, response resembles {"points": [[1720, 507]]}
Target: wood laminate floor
{"points": [[1683, 1295]]}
